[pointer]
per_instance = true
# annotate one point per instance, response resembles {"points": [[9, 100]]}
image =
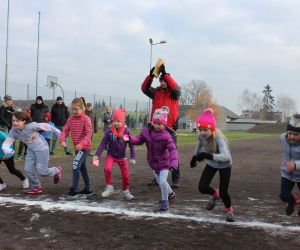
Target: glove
{"points": [[151, 71], [172, 168], [203, 155], [193, 162], [162, 69]]}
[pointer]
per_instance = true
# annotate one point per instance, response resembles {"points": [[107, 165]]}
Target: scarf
{"points": [[118, 133]]}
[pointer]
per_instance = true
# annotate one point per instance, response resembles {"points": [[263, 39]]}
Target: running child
{"points": [[37, 157], [213, 147], [8, 159], [290, 165], [115, 141], [162, 154], [80, 127]]}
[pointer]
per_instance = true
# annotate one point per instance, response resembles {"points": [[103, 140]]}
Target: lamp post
{"points": [[151, 45], [6, 54]]}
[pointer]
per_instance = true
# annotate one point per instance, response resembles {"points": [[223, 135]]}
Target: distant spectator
{"points": [[92, 114], [6, 113], [107, 118], [38, 109], [59, 116], [47, 134]]}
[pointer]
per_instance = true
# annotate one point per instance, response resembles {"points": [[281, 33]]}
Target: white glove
{"points": [[7, 149]]}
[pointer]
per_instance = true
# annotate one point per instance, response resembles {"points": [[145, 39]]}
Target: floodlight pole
{"points": [[37, 58], [6, 57]]}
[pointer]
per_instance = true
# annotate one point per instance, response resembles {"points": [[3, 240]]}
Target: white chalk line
{"points": [[98, 208]]}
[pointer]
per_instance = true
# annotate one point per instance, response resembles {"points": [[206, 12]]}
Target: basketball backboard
{"points": [[51, 81]]}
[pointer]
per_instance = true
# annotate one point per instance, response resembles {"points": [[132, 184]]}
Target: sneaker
{"points": [[19, 157], [212, 202], [68, 153], [153, 183], [72, 192], [289, 209], [164, 205], [24, 157], [175, 185], [34, 190], [25, 183], [57, 176], [51, 153], [127, 195], [229, 216], [85, 192], [172, 197], [2, 186], [109, 191]]}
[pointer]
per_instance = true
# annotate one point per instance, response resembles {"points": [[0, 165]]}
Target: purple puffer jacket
{"points": [[161, 149]]}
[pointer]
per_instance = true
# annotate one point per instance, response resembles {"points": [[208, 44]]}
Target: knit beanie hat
{"points": [[59, 98], [294, 124], [48, 115], [119, 115], [39, 98], [207, 119], [161, 115]]}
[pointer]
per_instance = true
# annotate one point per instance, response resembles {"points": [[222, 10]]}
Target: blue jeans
{"points": [[286, 190], [79, 166], [54, 139]]}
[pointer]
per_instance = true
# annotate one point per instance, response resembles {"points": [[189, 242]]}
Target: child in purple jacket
{"points": [[161, 153], [115, 141]]}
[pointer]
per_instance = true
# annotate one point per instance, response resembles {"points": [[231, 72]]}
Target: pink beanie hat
{"points": [[161, 115], [207, 119], [119, 115]]}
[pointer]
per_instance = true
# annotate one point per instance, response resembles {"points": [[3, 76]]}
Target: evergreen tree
{"points": [[268, 103]]}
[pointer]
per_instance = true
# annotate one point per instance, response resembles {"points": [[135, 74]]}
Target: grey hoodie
{"points": [[291, 152], [221, 158]]}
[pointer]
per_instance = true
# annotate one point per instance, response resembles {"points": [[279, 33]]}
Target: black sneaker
{"points": [[229, 216], [212, 202], [85, 192], [51, 153], [68, 153], [72, 192], [289, 209], [153, 183], [172, 196]]}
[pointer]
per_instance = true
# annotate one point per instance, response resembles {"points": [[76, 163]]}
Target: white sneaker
{"points": [[109, 190], [127, 195], [25, 183], [2, 186]]}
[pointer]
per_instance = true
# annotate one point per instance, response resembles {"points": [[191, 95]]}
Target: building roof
{"points": [[251, 121]]}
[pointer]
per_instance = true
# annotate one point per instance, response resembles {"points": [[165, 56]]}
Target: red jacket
{"points": [[80, 128], [164, 97]]}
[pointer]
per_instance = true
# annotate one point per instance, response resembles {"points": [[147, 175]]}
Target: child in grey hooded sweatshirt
{"points": [[37, 152], [290, 165]]}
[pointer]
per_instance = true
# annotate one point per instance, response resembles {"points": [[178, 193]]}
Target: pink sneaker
{"points": [[57, 176], [34, 190]]}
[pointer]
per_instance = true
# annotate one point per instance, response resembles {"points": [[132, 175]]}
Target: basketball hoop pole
{"points": [[56, 84]]}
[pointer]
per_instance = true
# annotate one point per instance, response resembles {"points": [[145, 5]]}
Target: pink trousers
{"points": [[109, 162]]}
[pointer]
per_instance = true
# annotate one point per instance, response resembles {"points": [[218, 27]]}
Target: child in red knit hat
{"points": [[115, 141], [213, 147]]}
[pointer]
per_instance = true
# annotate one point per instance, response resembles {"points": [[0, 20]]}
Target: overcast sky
{"points": [[103, 46]]}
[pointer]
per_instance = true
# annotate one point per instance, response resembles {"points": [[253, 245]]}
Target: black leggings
{"points": [[10, 164], [206, 178]]}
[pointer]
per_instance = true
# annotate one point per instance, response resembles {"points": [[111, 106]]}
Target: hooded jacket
{"points": [[168, 97], [161, 149], [59, 114], [37, 112]]}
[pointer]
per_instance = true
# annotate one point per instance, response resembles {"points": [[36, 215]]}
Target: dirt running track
{"points": [[47, 222]]}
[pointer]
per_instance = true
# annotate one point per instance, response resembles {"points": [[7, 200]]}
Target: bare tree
{"points": [[190, 90], [285, 104], [250, 101]]}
